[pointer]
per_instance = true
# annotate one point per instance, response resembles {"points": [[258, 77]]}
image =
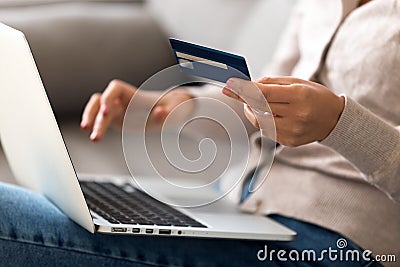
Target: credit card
{"points": [[209, 63]]}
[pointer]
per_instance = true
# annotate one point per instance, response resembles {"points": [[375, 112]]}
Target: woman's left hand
{"points": [[304, 111]]}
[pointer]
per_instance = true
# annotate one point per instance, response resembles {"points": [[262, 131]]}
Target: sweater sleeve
{"points": [[371, 145]]}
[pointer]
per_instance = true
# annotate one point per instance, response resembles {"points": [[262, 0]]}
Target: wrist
{"points": [[338, 108]]}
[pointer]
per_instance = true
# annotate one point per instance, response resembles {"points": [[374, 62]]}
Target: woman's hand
{"points": [[304, 111], [108, 108]]}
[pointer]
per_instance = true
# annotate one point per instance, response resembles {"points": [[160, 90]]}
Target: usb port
{"points": [[149, 231], [135, 230], [164, 232], [118, 229]]}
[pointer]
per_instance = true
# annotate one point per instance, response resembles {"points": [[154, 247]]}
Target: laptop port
{"points": [[149, 231], [136, 230], [164, 232], [118, 229]]}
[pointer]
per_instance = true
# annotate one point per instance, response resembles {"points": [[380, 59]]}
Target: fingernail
{"points": [[228, 92], [93, 136], [83, 124]]}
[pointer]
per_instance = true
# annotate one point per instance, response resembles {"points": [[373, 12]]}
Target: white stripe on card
{"points": [[201, 60], [186, 63]]}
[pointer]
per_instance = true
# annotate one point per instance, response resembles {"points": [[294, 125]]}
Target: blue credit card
{"points": [[209, 63]]}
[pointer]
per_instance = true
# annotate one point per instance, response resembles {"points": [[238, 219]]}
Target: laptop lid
{"points": [[29, 133]]}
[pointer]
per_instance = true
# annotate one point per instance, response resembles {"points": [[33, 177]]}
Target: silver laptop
{"points": [[40, 161]]}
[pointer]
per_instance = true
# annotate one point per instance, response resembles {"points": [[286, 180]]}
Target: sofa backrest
{"points": [[80, 46]]}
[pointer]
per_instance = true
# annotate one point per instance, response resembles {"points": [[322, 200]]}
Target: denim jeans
{"points": [[34, 232]]}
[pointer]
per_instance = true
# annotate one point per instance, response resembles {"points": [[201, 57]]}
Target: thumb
{"points": [[249, 92]]}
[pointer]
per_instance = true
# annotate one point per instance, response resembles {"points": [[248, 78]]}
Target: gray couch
{"points": [[79, 46]]}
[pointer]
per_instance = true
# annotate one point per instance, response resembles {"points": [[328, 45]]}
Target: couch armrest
{"points": [[80, 47]]}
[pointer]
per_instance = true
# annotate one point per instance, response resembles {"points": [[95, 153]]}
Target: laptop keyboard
{"points": [[132, 206]]}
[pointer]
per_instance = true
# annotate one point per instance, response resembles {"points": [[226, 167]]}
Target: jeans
{"points": [[34, 232]]}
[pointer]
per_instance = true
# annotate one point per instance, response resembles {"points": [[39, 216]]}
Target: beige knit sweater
{"points": [[350, 182]]}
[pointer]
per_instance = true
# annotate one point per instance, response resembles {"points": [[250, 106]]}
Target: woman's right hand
{"points": [[108, 108]]}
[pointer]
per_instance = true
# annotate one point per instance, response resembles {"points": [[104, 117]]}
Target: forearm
{"points": [[371, 144]]}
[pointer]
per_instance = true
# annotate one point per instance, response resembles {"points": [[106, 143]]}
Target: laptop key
{"points": [[118, 205]]}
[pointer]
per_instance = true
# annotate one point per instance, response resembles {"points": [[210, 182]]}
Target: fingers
{"points": [[303, 111], [245, 91], [231, 94], [256, 94], [104, 119], [280, 109], [250, 115], [175, 104], [277, 93], [103, 109], [283, 80], [159, 114], [286, 134], [90, 112], [116, 89]]}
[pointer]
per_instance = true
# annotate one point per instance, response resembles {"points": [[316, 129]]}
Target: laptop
{"points": [[39, 160]]}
